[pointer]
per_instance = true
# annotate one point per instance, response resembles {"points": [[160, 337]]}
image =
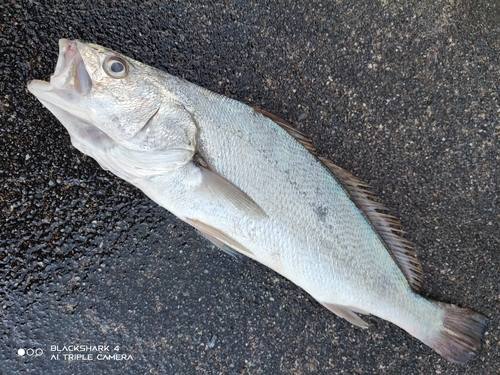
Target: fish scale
{"points": [[250, 183]]}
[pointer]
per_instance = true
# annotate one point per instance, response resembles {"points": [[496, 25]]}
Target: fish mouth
{"points": [[69, 83], [64, 94], [70, 69]]}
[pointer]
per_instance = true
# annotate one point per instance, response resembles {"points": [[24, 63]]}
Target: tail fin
{"points": [[460, 340]]}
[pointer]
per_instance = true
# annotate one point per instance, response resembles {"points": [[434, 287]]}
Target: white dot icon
{"points": [[21, 352]]}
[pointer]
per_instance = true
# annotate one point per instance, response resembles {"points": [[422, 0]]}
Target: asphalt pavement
{"points": [[404, 94]]}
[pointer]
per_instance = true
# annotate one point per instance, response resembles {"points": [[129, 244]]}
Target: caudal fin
{"points": [[460, 339]]}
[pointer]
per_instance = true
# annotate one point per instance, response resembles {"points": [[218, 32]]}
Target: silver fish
{"points": [[249, 182]]}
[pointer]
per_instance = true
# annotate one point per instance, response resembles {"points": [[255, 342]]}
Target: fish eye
{"points": [[115, 67]]}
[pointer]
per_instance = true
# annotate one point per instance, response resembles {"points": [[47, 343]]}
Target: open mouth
{"points": [[65, 94], [68, 50], [70, 75], [70, 70]]}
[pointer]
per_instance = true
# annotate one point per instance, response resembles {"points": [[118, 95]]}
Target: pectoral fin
{"points": [[219, 238], [223, 190], [347, 313]]}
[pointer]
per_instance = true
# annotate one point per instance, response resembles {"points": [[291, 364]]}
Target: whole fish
{"points": [[250, 183]]}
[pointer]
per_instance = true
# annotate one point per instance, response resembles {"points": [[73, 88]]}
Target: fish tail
{"points": [[461, 335]]}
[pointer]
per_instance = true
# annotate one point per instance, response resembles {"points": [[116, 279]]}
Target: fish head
{"points": [[101, 88], [117, 110]]}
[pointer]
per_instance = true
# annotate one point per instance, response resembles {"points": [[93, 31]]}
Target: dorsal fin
{"points": [[386, 226]]}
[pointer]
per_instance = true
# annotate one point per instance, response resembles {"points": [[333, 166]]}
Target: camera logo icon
{"points": [[30, 352]]}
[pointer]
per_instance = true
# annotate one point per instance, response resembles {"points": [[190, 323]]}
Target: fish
{"points": [[251, 184]]}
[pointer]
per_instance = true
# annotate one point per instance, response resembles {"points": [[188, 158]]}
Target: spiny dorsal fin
{"points": [[386, 226], [303, 139]]}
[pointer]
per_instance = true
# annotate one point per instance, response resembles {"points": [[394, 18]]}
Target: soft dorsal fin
{"points": [[386, 226]]}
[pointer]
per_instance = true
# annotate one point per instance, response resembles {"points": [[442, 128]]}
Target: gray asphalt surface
{"points": [[403, 94]]}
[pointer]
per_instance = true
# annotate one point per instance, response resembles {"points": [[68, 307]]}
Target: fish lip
{"points": [[36, 86]]}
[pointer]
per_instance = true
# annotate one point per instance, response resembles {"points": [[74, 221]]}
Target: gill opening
{"points": [[141, 134]]}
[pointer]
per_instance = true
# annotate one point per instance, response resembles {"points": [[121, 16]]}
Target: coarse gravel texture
{"points": [[404, 94]]}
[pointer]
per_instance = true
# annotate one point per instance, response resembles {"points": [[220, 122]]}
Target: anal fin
{"points": [[347, 313]]}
